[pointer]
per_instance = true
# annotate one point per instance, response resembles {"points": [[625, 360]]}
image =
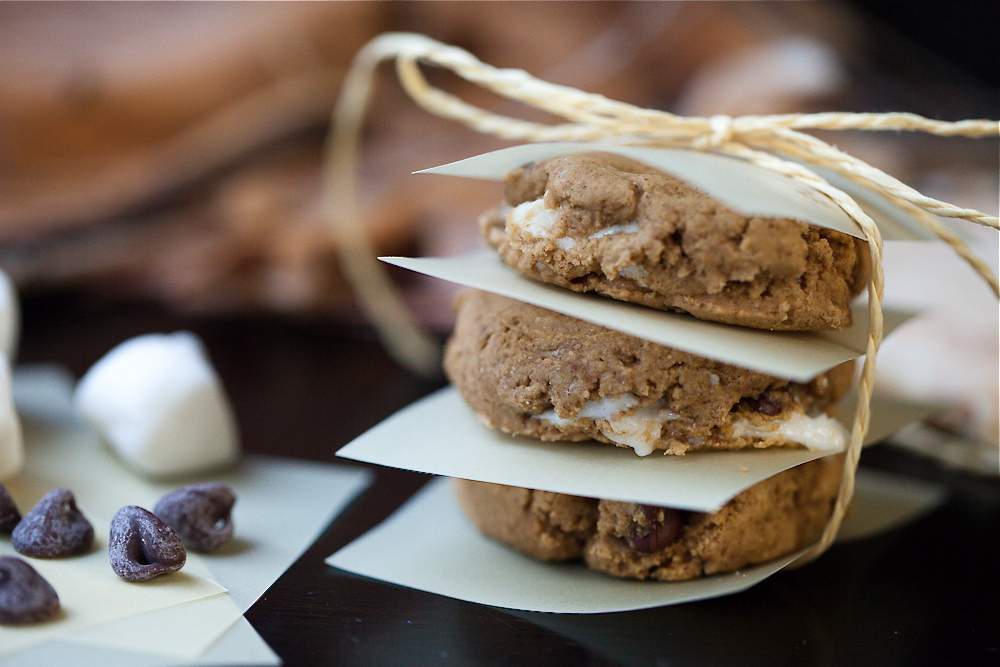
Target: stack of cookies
{"points": [[604, 223]]}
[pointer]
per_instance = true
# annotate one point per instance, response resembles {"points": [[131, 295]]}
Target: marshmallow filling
{"points": [[621, 422]]}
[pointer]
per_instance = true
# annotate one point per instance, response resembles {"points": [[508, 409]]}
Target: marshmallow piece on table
{"points": [[160, 405], [10, 316], [11, 440]]}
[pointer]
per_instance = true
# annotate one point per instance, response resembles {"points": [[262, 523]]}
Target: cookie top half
{"points": [[604, 223]]}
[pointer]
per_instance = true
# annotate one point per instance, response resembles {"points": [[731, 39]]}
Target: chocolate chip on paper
{"points": [[25, 596], [142, 547], [54, 528], [201, 514]]}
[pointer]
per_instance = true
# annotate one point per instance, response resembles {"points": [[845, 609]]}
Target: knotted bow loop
{"points": [[720, 133]]}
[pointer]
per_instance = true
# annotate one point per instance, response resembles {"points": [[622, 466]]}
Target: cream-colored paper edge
{"points": [[744, 187], [893, 223], [205, 621], [799, 356], [440, 435], [239, 645], [450, 560]]}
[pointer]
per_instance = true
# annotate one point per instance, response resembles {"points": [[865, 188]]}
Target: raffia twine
{"points": [[761, 140]]}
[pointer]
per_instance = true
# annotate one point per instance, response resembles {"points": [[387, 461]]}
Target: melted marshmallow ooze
{"points": [[536, 219], [621, 422], [533, 218]]}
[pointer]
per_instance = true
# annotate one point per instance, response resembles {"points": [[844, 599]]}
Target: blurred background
{"points": [[170, 153]]}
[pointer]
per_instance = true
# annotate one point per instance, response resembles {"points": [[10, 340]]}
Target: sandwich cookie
{"points": [[530, 371], [604, 223]]}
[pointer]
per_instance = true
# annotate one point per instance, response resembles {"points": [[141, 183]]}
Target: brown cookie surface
{"points": [[604, 223], [530, 371], [544, 525], [773, 518]]}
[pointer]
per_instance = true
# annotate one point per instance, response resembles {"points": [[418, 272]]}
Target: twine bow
{"points": [[721, 134], [766, 141]]}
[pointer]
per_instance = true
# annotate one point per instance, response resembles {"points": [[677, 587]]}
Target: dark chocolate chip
{"points": [[54, 528], [762, 405], [201, 514], [9, 514], [663, 529], [25, 596], [141, 546]]}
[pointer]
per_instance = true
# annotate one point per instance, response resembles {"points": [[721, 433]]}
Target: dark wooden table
{"points": [[925, 594]]}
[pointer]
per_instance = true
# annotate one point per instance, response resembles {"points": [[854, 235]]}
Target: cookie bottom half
{"points": [[773, 518]]}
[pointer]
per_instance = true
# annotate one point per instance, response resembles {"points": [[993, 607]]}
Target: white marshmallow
{"points": [[11, 440], [10, 316], [158, 402]]}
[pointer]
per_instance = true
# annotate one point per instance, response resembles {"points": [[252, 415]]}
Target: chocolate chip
{"points": [[9, 514], [54, 528], [762, 405], [201, 514], [141, 546], [25, 596], [663, 528]]}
